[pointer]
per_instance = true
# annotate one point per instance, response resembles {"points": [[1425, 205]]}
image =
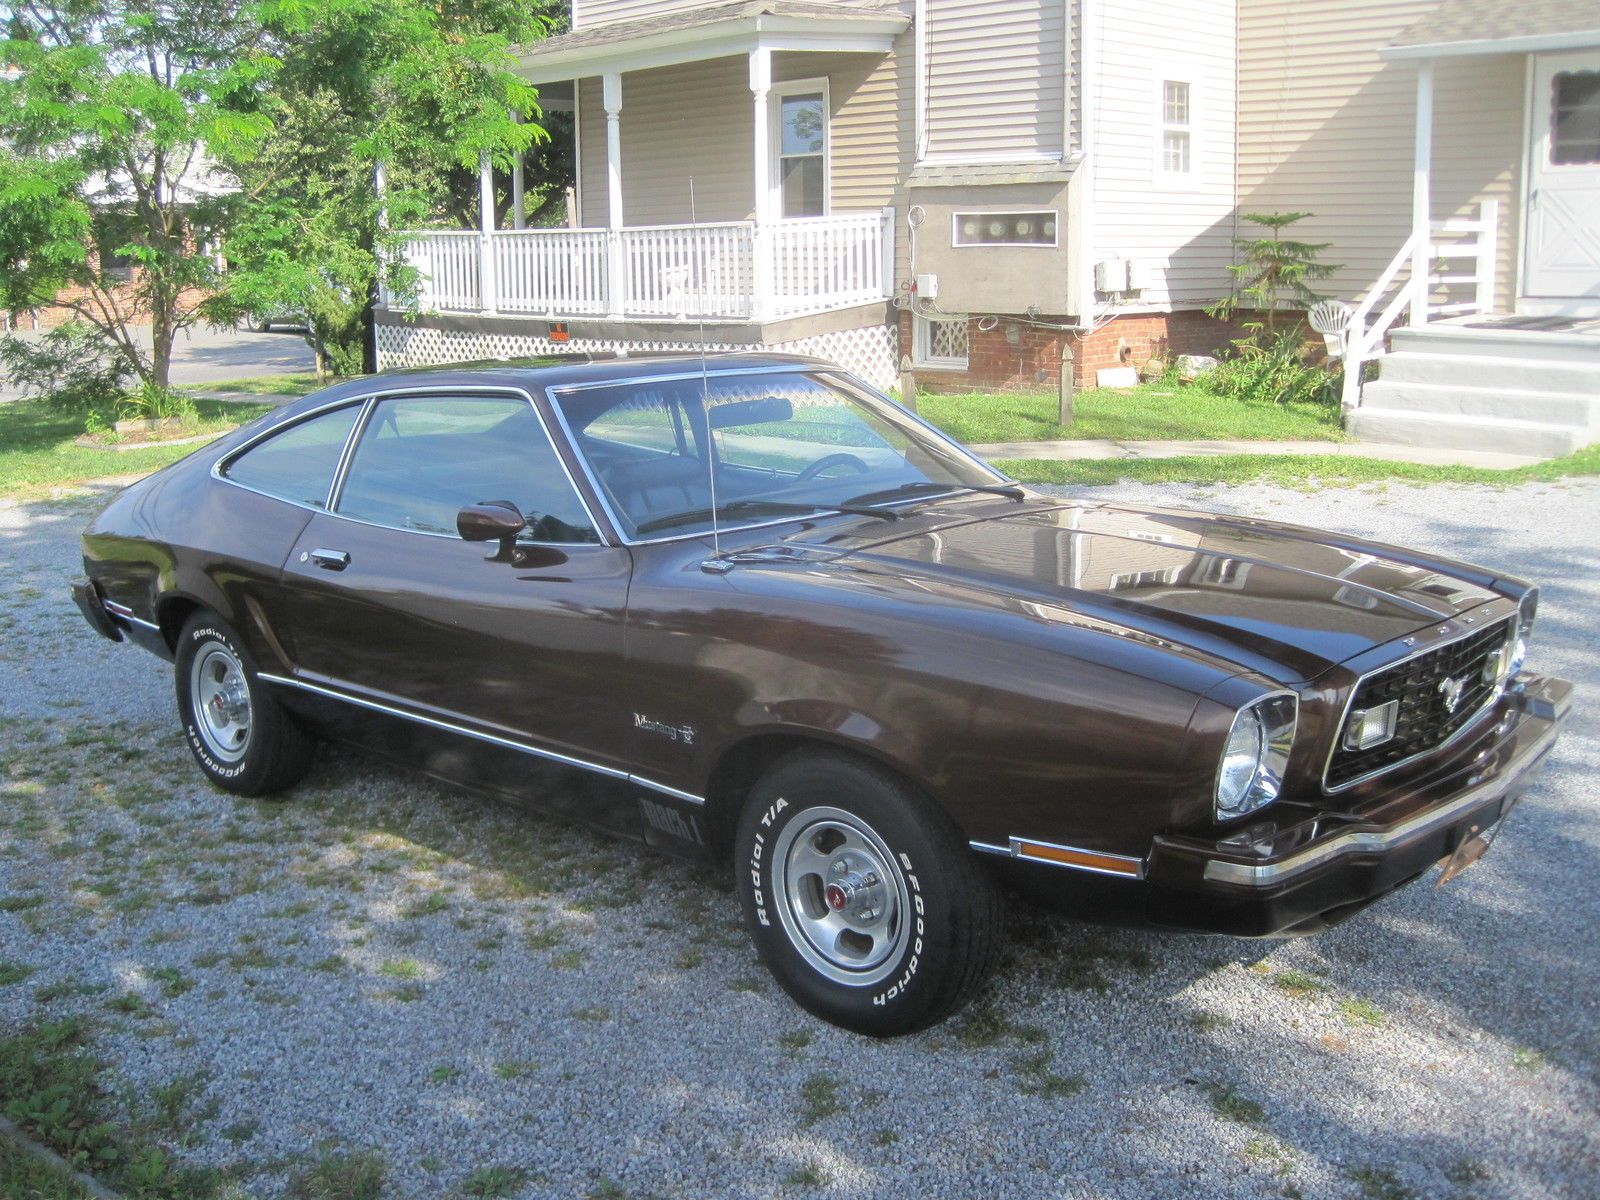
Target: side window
{"points": [[298, 463], [421, 458]]}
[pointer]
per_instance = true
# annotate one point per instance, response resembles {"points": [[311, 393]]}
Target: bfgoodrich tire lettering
{"points": [[862, 898], [243, 739]]}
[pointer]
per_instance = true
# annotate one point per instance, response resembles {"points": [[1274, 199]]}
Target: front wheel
{"points": [[243, 739], [862, 897]]}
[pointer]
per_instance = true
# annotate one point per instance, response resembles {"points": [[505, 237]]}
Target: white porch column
{"points": [[616, 267], [380, 189], [486, 232], [519, 216], [761, 164], [1421, 198]]}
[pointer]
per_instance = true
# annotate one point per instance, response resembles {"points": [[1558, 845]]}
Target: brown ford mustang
{"points": [[752, 612]]}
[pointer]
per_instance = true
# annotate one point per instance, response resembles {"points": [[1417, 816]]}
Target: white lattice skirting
{"points": [[871, 352]]}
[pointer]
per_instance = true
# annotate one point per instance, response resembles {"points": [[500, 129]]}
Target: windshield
{"points": [[780, 443]]}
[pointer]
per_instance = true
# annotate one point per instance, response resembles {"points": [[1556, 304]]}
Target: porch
{"points": [[727, 271], [705, 190], [1484, 321]]}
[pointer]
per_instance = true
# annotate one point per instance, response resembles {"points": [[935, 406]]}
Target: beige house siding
{"points": [[1180, 232], [682, 122], [588, 13], [697, 120], [997, 72], [1326, 126]]}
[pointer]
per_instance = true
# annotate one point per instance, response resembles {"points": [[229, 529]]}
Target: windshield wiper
{"points": [[1010, 490], [775, 506]]}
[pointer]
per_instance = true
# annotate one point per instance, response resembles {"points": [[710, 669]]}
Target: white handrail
{"points": [[1365, 339]]}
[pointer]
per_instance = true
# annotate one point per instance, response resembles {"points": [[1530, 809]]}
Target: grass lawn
{"points": [[262, 385], [24, 1177], [1290, 470], [1150, 412], [36, 449]]}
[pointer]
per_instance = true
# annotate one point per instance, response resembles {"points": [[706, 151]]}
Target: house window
{"points": [[112, 231], [801, 160], [939, 344], [1575, 118], [1003, 228], [1177, 133]]}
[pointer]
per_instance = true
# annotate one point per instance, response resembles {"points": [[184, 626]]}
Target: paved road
{"points": [[206, 354], [377, 963]]}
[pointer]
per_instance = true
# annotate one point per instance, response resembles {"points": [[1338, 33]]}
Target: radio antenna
{"points": [[705, 383]]}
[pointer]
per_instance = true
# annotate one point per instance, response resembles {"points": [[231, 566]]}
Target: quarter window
{"points": [[298, 463], [420, 459], [1177, 137]]}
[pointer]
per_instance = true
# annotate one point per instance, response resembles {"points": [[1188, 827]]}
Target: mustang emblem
{"points": [[1452, 691]]}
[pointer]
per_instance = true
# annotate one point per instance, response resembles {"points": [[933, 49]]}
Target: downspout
{"points": [[1082, 224]]}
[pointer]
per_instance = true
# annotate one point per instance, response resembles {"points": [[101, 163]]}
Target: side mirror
{"points": [[492, 521]]}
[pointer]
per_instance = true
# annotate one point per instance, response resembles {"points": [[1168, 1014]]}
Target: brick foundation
{"points": [[1016, 356]]}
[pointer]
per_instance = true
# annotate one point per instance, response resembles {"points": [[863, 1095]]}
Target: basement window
{"points": [[939, 345], [1032, 228]]}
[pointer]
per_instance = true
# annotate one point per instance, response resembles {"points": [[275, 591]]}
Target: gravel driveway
{"points": [[498, 1004]]}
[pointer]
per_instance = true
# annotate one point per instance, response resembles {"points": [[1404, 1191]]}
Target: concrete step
{"points": [[1578, 409], [1453, 431], [1499, 343], [1527, 374]]}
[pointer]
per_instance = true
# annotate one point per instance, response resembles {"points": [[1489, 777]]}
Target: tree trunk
{"points": [[161, 336]]}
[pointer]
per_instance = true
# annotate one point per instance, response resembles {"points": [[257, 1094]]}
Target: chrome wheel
{"points": [[841, 896], [220, 700]]}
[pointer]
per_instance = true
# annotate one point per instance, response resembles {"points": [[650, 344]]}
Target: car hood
{"points": [[1282, 599]]}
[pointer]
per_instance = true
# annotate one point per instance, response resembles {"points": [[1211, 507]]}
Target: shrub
{"points": [[152, 403], [1273, 370], [74, 368]]}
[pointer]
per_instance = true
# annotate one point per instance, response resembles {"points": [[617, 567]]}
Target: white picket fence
{"points": [[734, 270]]}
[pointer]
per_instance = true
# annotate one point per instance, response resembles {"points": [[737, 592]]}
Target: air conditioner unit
{"points": [[1141, 275], [1111, 275]]}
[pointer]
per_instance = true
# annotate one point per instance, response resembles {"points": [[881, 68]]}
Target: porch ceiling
{"points": [[1461, 27], [716, 31]]}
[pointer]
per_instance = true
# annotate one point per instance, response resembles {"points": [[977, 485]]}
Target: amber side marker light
{"points": [[1088, 860]]}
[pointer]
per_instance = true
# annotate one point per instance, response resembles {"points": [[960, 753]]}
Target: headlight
{"points": [[1256, 755], [1502, 668]]}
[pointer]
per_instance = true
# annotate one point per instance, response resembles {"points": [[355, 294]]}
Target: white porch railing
{"points": [[1448, 289], [452, 274], [730, 271], [557, 271], [823, 263]]}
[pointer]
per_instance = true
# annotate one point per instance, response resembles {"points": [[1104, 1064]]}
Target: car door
{"points": [[392, 607]]}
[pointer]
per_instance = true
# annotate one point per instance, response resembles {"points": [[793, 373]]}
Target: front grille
{"points": [[1425, 720]]}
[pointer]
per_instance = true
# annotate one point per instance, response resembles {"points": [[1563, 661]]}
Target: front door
{"points": [[392, 607], [1563, 239]]}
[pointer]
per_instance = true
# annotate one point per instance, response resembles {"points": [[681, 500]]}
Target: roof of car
{"points": [[563, 370]]}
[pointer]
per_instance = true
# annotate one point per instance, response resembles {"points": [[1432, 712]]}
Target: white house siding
{"points": [[1181, 233], [1326, 126], [997, 78]]}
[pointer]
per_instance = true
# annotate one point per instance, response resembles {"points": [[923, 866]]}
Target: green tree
{"points": [[145, 143], [106, 116], [1274, 273], [424, 88]]}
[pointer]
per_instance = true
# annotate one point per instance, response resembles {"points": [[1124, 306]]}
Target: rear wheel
{"points": [[862, 897], [243, 739]]}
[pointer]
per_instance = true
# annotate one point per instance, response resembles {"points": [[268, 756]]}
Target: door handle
{"points": [[331, 560]]}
